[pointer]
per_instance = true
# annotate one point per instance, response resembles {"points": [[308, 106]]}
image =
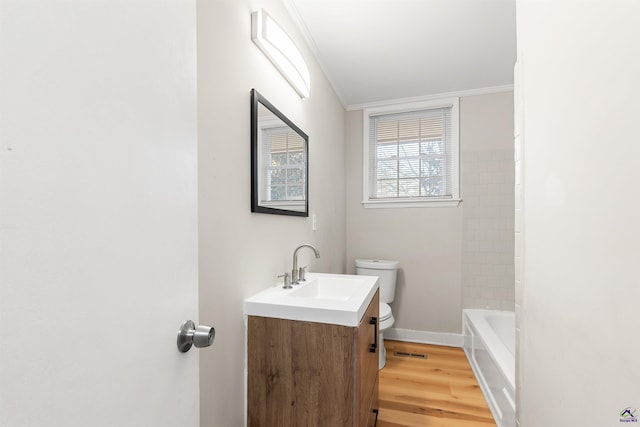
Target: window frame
{"points": [[420, 201]]}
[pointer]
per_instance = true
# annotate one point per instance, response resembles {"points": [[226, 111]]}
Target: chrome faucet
{"points": [[294, 272]]}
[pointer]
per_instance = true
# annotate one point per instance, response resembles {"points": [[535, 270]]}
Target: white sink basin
{"points": [[338, 299], [334, 287]]}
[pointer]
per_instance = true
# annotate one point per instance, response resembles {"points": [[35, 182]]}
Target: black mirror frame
{"points": [[257, 99]]}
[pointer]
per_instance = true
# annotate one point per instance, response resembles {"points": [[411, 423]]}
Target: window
{"points": [[284, 157], [411, 155]]}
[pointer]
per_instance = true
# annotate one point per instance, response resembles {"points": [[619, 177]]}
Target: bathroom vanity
{"points": [[306, 372]]}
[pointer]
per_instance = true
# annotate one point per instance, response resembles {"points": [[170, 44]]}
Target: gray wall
{"points": [[428, 242], [240, 252]]}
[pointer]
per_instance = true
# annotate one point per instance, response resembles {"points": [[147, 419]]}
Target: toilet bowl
{"points": [[385, 322], [386, 271]]}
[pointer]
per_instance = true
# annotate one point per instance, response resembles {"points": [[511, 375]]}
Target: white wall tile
{"points": [[488, 240]]}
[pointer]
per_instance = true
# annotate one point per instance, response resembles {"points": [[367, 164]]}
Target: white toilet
{"points": [[386, 272]]}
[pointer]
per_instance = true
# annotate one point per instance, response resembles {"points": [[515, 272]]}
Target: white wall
{"points": [[428, 242], [577, 297], [241, 253]]}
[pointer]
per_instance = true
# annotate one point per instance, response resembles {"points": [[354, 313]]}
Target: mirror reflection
{"points": [[279, 161]]}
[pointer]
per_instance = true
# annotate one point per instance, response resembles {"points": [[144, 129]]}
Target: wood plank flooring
{"points": [[439, 391]]}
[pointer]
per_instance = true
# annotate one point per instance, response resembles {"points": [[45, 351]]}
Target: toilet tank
{"points": [[386, 271]]}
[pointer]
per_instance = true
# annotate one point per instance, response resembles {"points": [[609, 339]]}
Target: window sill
{"points": [[410, 203]]}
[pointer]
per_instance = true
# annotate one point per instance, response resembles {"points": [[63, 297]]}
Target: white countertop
{"points": [[338, 299]]}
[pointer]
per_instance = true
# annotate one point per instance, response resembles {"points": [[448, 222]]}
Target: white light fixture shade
{"points": [[276, 44]]}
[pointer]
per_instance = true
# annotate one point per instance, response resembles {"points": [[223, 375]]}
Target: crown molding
{"points": [[459, 94]]}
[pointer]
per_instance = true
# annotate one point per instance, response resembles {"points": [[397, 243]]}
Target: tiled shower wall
{"points": [[488, 234]]}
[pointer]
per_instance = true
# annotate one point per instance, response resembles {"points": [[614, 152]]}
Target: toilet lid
{"points": [[385, 311]]}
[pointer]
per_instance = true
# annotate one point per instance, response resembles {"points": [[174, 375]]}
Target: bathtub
{"points": [[489, 343]]}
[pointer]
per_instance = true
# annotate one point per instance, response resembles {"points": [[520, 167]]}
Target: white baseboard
{"points": [[425, 337]]}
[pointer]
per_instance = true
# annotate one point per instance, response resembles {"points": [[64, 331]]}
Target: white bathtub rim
{"points": [[497, 350]]}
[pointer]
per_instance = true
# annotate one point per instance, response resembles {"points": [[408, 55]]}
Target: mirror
{"points": [[279, 161]]}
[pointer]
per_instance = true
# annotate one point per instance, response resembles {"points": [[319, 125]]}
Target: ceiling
{"points": [[377, 50]]}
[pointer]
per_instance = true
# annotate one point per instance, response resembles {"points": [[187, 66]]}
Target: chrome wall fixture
{"points": [[276, 44]]}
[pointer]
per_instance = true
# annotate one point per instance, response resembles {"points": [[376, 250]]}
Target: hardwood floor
{"points": [[439, 391]]}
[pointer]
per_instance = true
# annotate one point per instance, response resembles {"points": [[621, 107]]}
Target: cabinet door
{"points": [[373, 407], [300, 374], [367, 359]]}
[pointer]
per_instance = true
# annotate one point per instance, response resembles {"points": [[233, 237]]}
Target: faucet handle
{"points": [[301, 273], [287, 281]]}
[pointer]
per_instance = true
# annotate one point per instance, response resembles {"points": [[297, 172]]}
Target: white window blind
{"points": [[283, 151]]}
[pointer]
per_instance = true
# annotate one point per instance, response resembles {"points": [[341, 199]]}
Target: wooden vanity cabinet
{"points": [[312, 374]]}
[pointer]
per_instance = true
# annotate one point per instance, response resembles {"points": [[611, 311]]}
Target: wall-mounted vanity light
{"points": [[280, 49]]}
